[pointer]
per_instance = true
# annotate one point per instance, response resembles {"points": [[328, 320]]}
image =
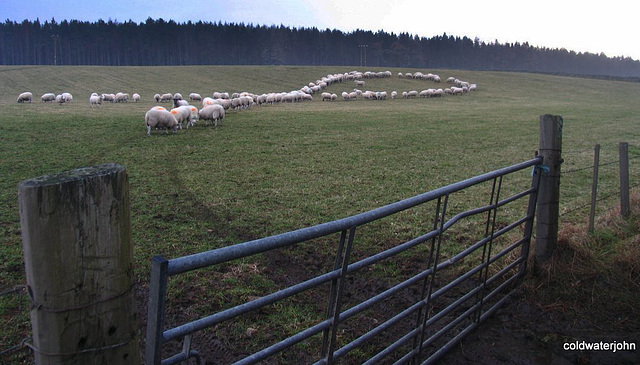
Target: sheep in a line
{"points": [[135, 97], [95, 99], [48, 98], [412, 94], [68, 98], [121, 97], [109, 97], [25, 97], [195, 97], [160, 118], [215, 113], [394, 94], [60, 99], [165, 97]]}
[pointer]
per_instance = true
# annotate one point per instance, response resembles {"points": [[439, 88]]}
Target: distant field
{"points": [[281, 167]]}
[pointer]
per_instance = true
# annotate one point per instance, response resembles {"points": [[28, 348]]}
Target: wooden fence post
{"points": [[549, 194], [625, 209], [76, 235], [594, 188]]}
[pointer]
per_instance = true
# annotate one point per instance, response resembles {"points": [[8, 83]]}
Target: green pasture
{"points": [[281, 167]]}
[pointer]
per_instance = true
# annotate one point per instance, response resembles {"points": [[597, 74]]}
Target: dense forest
{"points": [[160, 42]]}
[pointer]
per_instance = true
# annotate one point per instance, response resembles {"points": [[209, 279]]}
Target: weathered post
{"points": [[594, 188], [549, 194], [625, 208], [76, 235]]}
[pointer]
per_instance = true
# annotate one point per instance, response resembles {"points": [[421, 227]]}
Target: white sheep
{"points": [[334, 97], [95, 99], [108, 97], [157, 97], [182, 115], [67, 97], [214, 113], [345, 96], [159, 117], [60, 99], [135, 97], [359, 83], [394, 94], [166, 97], [412, 94], [48, 97], [121, 97], [25, 96], [195, 97]]}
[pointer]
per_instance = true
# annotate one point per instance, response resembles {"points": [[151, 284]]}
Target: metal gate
{"points": [[446, 308]]}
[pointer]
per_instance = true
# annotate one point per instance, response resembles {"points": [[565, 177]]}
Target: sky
{"points": [[608, 27]]}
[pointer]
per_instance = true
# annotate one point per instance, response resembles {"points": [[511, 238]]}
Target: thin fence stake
{"points": [[624, 179], [594, 187]]}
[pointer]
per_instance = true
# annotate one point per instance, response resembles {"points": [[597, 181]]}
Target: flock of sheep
{"points": [[214, 108]]}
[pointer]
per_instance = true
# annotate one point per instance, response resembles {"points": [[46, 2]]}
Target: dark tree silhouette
{"points": [[160, 42]]}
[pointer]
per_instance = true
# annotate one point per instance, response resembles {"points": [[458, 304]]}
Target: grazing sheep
{"points": [[334, 97], [67, 97], [25, 96], [48, 97], [95, 99], [208, 101], [195, 97], [325, 96], [157, 98], [212, 112], [359, 83], [121, 98], [159, 117], [108, 97], [394, 94], [412, 94], [60, 99], [404, 94], [135, 97], [345, 96], [166, 97], [181, 103], [182, 115]]}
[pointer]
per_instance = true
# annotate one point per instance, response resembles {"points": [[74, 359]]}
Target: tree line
{"points": [[157, 42]]}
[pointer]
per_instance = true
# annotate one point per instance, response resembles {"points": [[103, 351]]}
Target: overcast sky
{"points": [[606, 26]]}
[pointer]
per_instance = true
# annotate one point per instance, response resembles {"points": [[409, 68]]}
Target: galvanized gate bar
{"points": [[162, 269]]}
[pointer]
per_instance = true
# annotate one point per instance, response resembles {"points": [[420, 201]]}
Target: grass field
{"points": [[281, 167]]}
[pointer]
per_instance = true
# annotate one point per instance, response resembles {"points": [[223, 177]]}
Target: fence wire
{"points": [[605, 190]]}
